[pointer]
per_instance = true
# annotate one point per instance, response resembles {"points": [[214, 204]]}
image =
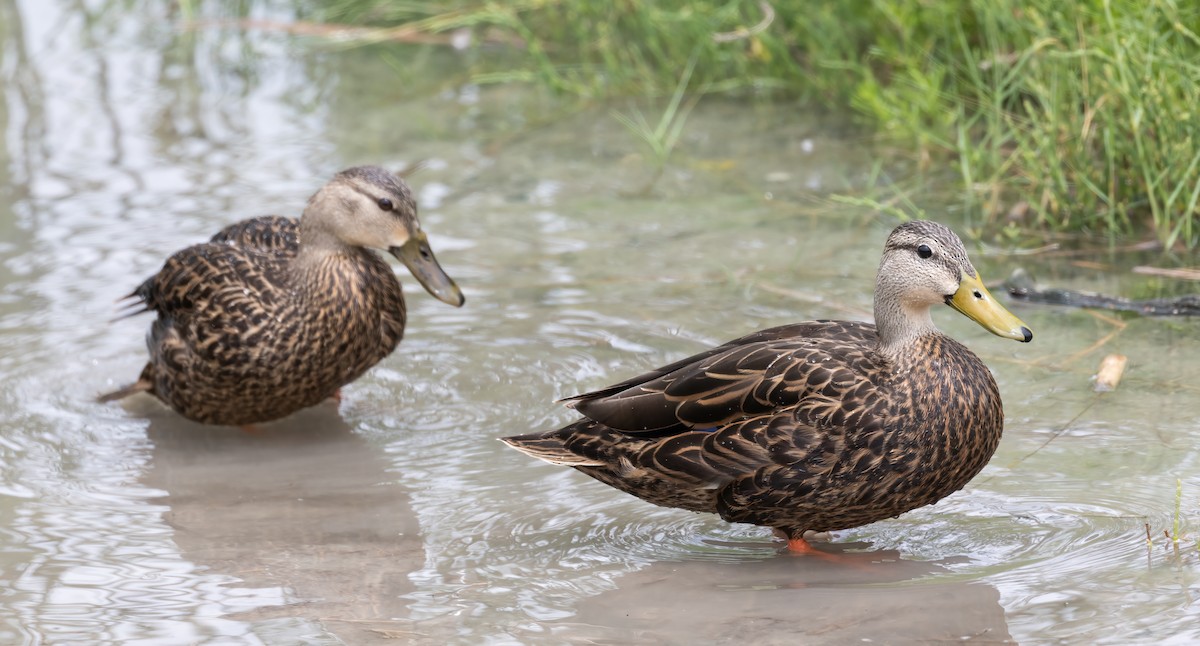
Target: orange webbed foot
{"points": [[797, 545]]}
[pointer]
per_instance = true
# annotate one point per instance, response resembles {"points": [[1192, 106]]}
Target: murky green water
{"points": [[401, 519]]}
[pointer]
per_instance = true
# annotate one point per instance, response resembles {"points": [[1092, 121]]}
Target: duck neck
{"points": [[317, 244], [316, 236], [900, 325]]}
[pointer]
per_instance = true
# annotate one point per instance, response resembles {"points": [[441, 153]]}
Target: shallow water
{"points": [[398, 517]]}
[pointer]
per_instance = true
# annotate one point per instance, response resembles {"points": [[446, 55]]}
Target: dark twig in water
{"points": [[1021, 287]]}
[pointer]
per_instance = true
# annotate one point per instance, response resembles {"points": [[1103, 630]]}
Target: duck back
{"points": [[245, 334]]}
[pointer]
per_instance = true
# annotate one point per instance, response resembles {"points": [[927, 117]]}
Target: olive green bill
{"points": [[418, 257], [975, 302]]}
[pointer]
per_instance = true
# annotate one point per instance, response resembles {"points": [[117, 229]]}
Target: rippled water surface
{"points": [[397, 517]]}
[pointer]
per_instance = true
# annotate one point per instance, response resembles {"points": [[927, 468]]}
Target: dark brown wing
{"points": [[215, 300], [767, 468], [791, 331], [754, 375], [171, 289], [270, 234], [194, 278]]}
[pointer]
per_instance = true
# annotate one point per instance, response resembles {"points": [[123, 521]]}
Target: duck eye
{"points": [[924, 251], [385, 204]]}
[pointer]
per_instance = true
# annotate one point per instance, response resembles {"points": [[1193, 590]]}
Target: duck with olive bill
{"points": [[821, 425], [275, 314]]}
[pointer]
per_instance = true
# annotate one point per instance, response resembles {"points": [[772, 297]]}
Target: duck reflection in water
{"points": [[307, 506]]}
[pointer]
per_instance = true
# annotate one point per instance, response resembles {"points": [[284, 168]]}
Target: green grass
{"points": [[1175, 535], [1050, 115], [661, 138]]}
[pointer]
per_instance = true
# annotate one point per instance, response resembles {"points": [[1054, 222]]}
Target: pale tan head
{"points": [[924, 264], [370, 207]]}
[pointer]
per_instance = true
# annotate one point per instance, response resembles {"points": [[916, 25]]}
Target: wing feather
{"points": [[754, 375]]}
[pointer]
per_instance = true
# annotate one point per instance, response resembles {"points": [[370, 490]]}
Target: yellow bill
{"points": [[975, 302]]}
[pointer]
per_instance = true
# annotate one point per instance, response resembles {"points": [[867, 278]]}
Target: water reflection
{"points": [[790, 600], [303, 505]]}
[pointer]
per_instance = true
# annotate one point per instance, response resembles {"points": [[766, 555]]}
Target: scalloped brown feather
{"points": [[798, 427], [240, 340]]}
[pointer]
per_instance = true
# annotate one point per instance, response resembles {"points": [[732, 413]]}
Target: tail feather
{"points": [[136, 302], [130, 309], [142, 385], [549, 447]]}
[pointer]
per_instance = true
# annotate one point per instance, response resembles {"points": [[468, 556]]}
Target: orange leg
{"points": [[795, 542], [336, 396], [797, 545]]}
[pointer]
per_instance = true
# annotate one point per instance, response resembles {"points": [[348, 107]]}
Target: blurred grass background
{"points": [[1051, 116]]}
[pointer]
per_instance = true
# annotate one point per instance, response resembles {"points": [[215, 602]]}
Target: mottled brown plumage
{"points": [[822, 425], [274, 314]]}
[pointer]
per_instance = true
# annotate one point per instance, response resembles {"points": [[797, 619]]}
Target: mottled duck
{"points": [[275, 314], [821, 425]]}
